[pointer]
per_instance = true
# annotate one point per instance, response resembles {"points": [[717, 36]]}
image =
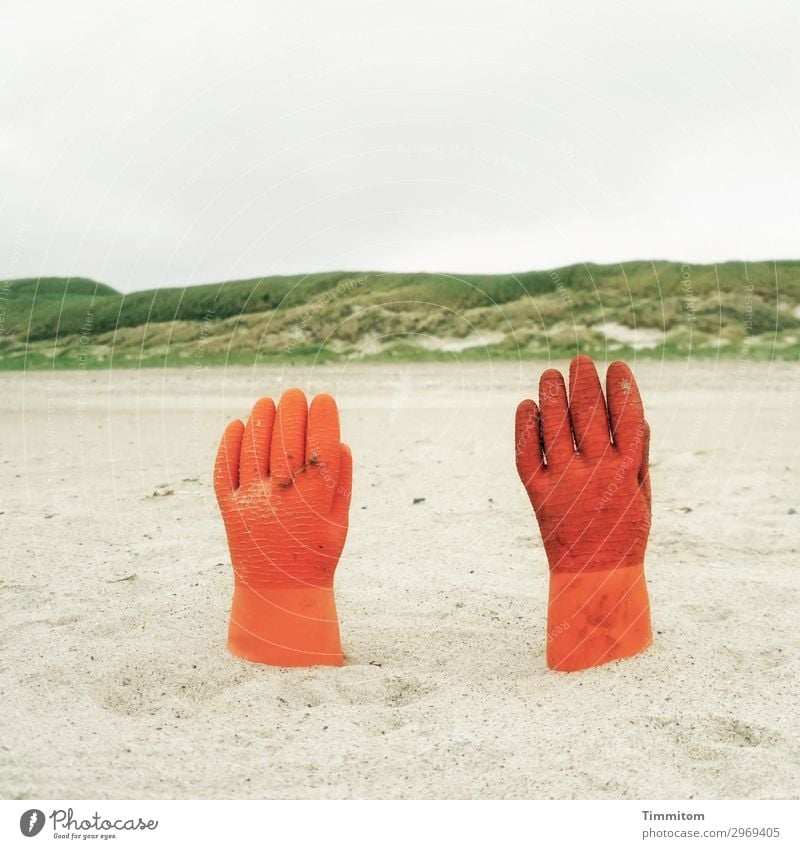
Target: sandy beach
{"points": [[116, 588]]}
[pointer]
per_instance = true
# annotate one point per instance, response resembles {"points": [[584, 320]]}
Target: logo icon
{"points": [[31, 822]]}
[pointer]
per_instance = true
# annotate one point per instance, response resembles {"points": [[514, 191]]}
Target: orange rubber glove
{"points": [[283, 486], [592, 500]]}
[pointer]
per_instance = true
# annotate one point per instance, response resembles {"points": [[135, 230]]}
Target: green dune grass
{"points": [[653, 309]]}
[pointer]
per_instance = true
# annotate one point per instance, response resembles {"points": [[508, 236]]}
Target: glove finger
{"points": [[644, 471], [528, 443], [288, 448], [256, 442], [554, 414], [624, 407], [587, 408], [322, 448], [226, 467], [344, 487]]}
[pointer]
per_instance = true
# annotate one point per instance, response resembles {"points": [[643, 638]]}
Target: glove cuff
{"points": [[285, 626], [595, 617]]}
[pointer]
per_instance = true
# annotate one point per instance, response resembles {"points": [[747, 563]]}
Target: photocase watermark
{"points": [[630, 461], [554, 633], [526, 436], [13, 256], [496, 160], [138, 102], [5, 289], [550, 391], [689, 299], [561, 289], [748, 310], [329, 479], [11, 269], [463, 216], [290, 82], [343, 287], [31, 822], [577, 161], [67, 826], [84, 341], [157, 225], [86, 330]]}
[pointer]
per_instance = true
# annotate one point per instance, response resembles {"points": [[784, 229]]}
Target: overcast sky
{"points": [[152, 144]]}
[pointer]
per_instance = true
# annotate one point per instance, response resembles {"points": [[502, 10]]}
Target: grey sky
{"points": [[150, 144]]}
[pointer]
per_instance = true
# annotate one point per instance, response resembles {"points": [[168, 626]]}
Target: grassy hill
{"points": [[650, 308]]}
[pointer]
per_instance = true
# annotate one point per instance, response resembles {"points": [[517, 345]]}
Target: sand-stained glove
{"points": [[283, 485], [591, 496]]}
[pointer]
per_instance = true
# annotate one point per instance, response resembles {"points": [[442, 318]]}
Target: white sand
{"points": [[123, 688]]}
